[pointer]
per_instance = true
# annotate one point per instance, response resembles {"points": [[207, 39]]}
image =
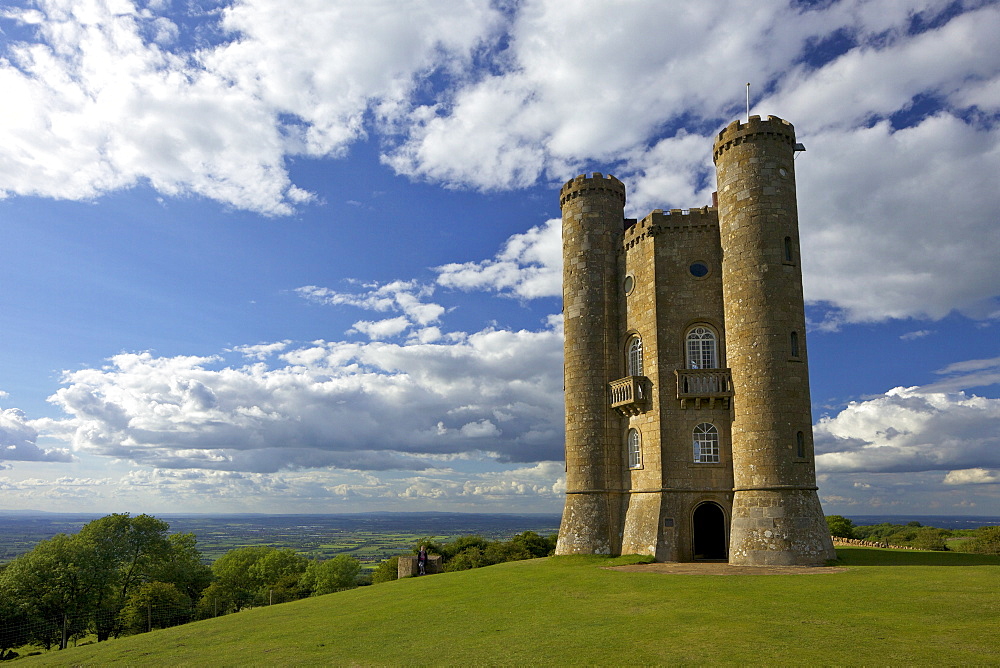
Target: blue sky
{"points": [[262, 259]]}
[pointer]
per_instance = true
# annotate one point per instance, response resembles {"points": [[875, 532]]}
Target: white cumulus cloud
{"points": [[910, 429], [976, 476], [359, 406], [18, 440], [896, 100], [529, 266]]}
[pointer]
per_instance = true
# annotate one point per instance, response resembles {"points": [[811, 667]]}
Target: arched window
{"points": [[634, 356], [706, 444], [701, 352], [634, 449], [800, 445], [795, 344]]}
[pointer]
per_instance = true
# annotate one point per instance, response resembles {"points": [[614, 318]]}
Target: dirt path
{"points": [[716, 568]]}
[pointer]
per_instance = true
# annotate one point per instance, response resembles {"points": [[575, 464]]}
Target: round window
{"points": [[629, 284], [698, 269]]}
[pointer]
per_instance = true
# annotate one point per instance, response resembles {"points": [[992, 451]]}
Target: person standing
{"points": [[422, 561]]}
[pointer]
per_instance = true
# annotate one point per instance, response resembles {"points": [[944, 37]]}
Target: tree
{"points": [[56, 585], [470, 557], [985, 541], [930, 538], [249, 575], [68, 584], [534, 544], [13, 622], [155, 605], [325, 577], [124, 551], [840, 526], [183, 568], [386, 571]]}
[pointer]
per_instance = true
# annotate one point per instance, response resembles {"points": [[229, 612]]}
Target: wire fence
{"points": [[34, 635]]}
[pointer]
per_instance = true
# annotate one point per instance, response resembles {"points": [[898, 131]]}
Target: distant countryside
{"points": [[369, 537]]}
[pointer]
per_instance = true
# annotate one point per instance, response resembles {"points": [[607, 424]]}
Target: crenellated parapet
{"points": [[658, 221], [773, 128], [588, 184]]}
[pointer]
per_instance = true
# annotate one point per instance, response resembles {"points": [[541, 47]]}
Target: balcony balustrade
{"points": [[698, 386], [629, 395]]}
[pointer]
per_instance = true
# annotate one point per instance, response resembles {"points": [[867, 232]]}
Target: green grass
{"points": [[887, 608]]}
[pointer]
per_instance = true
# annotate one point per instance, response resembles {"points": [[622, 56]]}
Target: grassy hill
{"points": [[888, 607]]}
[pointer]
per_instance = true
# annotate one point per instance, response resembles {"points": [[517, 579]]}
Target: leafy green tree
{"points": [[986, 541], [930, 538], [877, 533], [840, 526], [386, 571], [252, 575], [183, 568], [155, 605], [56, 585], [534, 544], [912, 534], [470, 557], [70, 583], [325, 577], [234, 583], [124, 551], [13, 622]]}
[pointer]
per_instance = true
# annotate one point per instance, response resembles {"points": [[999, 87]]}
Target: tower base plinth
{"points": [[779, 528], [585, 525]]}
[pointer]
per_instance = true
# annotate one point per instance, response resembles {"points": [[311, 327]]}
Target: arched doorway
{"points": [[710, 532]]}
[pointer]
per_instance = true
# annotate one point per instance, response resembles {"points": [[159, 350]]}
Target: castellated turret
{"points": [[777, 518], [688, 425], [592, 232]]}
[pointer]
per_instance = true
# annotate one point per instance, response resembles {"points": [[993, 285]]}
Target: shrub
{"points": [[386, 571], [986, 541], [840, 526]]}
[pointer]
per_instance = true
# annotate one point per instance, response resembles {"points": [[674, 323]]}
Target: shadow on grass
{"points": [[868, 556]]}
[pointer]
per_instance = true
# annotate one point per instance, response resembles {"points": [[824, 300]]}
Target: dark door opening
{"points": [[710, 532]]}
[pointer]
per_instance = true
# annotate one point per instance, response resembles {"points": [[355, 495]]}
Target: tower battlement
{"points": [[755, 128], [674, 220], [582, 183]]}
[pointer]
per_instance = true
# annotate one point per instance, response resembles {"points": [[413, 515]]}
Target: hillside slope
{"points": [[887, 607]]}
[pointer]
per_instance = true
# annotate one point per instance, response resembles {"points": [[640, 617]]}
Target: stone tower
{"points": [[777, 518], [669, 451], [592, 231]]}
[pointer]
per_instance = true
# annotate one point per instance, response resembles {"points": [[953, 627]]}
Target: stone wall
{"points": [[837, 540], [408, 566]]}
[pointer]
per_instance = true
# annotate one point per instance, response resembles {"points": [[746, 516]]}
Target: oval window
{"points": [[698, 269]]}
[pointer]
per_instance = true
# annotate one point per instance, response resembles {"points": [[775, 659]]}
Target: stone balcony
{"points": [[630, 395], [704, 388]]}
